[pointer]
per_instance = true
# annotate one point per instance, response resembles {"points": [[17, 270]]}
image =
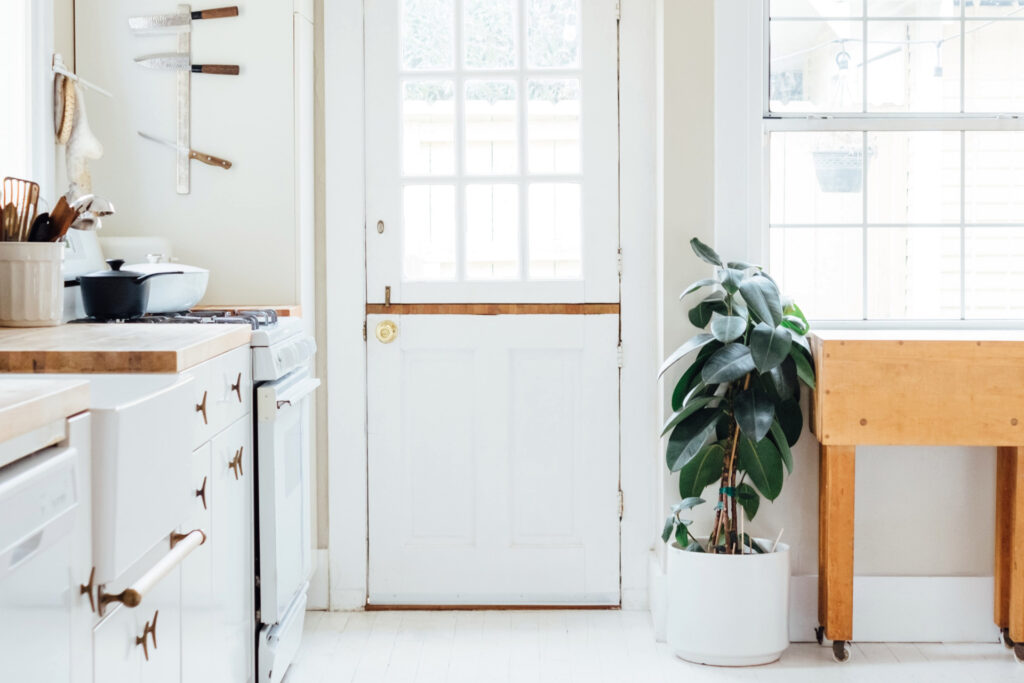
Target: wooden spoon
{"points": [[9, 222]]}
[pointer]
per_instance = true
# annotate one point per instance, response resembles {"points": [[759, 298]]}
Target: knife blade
{"points": [[179, 21], [208, 159], [177, 62]]}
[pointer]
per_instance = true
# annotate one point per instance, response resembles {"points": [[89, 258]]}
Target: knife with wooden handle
{"points": [[181, 62], [208, 159], [179, 21]]}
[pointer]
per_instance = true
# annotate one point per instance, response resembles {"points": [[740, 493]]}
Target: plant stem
{"points": [[729, 480]]}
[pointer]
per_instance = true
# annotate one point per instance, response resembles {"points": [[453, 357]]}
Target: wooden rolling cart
{"points": [[917, 387]]}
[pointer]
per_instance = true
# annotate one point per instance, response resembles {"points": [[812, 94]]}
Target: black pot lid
{"points": [[114, 272]]}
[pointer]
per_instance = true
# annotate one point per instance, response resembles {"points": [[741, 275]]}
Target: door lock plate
{"points": [[386, 331]]}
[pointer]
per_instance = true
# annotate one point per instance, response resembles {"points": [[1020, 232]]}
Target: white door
{"points": [[492, 252]]}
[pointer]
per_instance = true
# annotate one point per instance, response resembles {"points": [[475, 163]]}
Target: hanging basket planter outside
{"points": [[840, 170]]}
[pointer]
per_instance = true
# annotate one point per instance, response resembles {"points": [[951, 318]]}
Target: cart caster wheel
{"points": [[819, 635], [1018, 652], [840, 653], [1005, 633]]}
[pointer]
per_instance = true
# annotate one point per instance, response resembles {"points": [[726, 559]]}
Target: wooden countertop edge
{"points": [[53, 362], [67, 399]]}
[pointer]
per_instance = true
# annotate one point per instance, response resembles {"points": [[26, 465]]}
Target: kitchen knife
{"points": [[198, 156], [176, 62], [179, 21]]}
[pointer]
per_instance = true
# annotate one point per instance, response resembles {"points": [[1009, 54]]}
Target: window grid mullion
{"points": [[963, 223], [460, 147], [864, 224], [521, 77]]}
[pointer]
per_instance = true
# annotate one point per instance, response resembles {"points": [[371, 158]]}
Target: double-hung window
{"points": [[895, 157]]}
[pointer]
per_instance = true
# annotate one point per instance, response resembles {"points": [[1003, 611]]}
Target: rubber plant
{"points": [[736, 408]]}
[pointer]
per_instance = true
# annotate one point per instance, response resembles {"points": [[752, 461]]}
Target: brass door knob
{"points": [[386, 331]]}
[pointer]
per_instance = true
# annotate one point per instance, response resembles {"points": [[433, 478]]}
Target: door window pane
{"points": [[492, 136], [427, 34], [914, 177], [994, 52], [914, 8], [821, 268], [429, 240], [492, 232], [428, 128], [489, 30], [556, 237], [553, 33], [553, 125], [817, 177], [913, 273], [816, 8]]}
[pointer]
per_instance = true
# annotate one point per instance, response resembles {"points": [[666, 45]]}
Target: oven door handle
{"points": [[270, 402]]}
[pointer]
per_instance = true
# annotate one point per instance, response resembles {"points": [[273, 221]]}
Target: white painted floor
{"points": [[576, 646]]}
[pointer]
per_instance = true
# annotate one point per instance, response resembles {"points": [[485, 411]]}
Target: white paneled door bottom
{"points": [[592, 646]]}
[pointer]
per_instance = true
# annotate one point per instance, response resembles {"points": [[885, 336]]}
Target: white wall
{"points": [[920, 511], [239, 223]]}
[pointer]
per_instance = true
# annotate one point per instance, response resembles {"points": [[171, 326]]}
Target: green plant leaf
{"points": [[794, 323], [688, 346], [705, 253], [666, 533], [791, 419], [695, 547], [763, 464], [762, 297], [783, 379], [706, 282], [700, 315], [682, 535], [689, 436], [686, 412], [769, 346], [794, 310], [727, 328], [782, 443], [730, 278], [798, 339], [703, 469], [742, 265], [754, 412], [692, 374], [730, 362], [749, 499], [689, 502], [804, 369], [751, 543]]}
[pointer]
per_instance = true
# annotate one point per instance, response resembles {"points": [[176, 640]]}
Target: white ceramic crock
{"points": [[31, 284], [728, 610]]}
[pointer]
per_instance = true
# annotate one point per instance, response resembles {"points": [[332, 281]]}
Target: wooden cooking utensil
{"points": [[9, 223], [62, 217], [24, 194]]}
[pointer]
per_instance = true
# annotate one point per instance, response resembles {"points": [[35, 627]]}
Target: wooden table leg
{"points": [[1006, 474], [835, 537]]}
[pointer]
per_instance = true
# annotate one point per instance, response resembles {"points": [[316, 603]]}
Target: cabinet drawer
{"points": [[118, 654], [222, 393], [141, 479], [201, 405]]}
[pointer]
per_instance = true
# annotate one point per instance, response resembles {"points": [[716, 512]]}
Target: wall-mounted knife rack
{"points": [[182, 25]]}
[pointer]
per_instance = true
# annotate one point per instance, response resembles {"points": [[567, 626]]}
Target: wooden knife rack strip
{"points": [[184, 100]]}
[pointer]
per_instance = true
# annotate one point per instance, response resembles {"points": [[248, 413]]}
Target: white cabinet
{"points": [[232, 541], [142, 645], [199, 614]]}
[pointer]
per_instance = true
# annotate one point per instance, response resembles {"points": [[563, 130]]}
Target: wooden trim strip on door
{"points": [[492, 309]]}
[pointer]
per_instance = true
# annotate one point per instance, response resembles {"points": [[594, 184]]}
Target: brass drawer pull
{"points": [[148, 630], [237, 387], [181, 546], [201, 407], [201, 493], [86, 589], [236, 463]]}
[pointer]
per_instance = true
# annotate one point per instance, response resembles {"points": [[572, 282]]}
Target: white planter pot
{"points": [[728, 610]]}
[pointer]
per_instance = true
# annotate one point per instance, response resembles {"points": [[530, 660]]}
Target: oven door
{"points": [[283, 445]]}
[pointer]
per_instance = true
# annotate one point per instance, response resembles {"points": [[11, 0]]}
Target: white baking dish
{"points": [[173, 293]]}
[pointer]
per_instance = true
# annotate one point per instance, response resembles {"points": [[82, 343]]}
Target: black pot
{"points": [[115, 294]]}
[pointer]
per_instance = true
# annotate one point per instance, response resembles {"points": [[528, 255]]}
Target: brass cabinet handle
{"points": [[236, 463], [201, 407], [201, 493], [181, 546], [86, 589], [148, 630], [237, 387]]}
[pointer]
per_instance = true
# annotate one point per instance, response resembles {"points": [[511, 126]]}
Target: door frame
{"points": [[344, 242]]}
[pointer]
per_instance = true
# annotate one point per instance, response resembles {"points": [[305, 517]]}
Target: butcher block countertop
{"points": [[28, 404], [115, 348]]}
